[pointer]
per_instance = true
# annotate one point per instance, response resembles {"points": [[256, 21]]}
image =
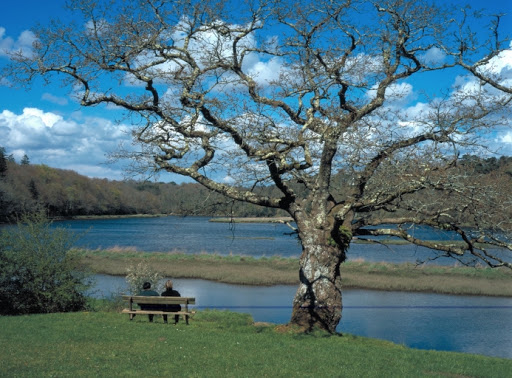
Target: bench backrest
{"points": [[158, 300]]}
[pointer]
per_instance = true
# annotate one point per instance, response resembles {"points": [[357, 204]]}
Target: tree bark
{"points": [[318, 302]]}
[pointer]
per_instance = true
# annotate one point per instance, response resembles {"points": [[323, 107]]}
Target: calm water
{"points": [[478, 325], [196, 235], [470, 324]]}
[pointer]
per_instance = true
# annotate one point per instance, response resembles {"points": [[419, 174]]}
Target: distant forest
{"points": [[26, 187]]}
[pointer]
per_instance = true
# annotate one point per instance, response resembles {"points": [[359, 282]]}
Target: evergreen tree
{"points": [[3, 162], [25, 160], [33, 189]]}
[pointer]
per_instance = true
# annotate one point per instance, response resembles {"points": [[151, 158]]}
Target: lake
{"points": [[198, 235], [469, 324]]}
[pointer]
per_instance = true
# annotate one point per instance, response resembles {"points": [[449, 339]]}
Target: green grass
{"points": [[215, 344]]}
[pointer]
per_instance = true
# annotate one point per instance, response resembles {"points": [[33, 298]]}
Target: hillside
{"points": [[25, 187]]}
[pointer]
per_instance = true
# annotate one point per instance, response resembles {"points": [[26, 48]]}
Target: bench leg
{"points": [[132, 316], [186, 319]]}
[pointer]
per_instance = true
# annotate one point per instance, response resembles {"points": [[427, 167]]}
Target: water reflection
{"points": [[470, 324]]}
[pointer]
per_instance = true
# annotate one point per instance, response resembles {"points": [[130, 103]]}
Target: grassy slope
{"points": [[215, 344], [276, 270]]}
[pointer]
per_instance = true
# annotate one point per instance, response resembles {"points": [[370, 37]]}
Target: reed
{"points": [[276, 270]]}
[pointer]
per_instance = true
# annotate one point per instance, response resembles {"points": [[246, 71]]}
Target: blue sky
{"points": [[52, 129]]}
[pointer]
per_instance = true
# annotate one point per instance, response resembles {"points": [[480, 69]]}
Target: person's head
{"points": [[168, 285], [146, 286]]}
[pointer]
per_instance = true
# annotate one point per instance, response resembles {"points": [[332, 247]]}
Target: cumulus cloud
{"points": [[507, 138], [22, 44], [503, 143], [207, 46], [228, 180], [501, 64], [77, 142], [266, 72], [498, 68], [396, 94], [433, 56]]}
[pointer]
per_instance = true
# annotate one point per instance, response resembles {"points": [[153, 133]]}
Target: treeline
{"points": [[483, 166], [26, 188]]}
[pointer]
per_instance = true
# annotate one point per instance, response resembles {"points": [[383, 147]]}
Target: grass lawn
{"points": [[215, 344]]}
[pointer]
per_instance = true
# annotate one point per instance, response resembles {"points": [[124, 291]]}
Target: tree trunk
{"points": [[317, 303]]}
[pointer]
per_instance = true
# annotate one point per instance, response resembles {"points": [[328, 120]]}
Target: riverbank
{"points": [[112, 216], [268, 271], [251, 220]]}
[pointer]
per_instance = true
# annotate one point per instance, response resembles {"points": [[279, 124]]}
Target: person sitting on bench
{"points": [[169, 292], [147, 292]]}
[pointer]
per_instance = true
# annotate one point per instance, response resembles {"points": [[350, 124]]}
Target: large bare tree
{"points": [[305, 95]]}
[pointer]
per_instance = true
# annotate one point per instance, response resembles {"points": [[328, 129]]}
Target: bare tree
{"points": [[305, 94], [478, 54]]}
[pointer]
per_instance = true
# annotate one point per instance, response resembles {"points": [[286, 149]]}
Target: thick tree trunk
{"points": [[317, 303]]}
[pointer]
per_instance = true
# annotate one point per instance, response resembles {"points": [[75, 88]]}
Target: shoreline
{"points": [[356, 274], [251, 220]]}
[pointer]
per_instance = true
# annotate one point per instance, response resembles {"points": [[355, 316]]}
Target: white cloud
{"points": [[507, 138], [503, 143], [433, 56], [396, 94], [22, 44], [501, 64], [266, 72], [228, 180], [208, 46], [499, 68], [76, 142]]}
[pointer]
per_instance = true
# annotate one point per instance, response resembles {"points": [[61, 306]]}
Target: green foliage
{"points": [[345, 234], [140, 273], [342, 239], [37, 274], [112, 303]]}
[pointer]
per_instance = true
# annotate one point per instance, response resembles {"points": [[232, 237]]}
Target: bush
{"points": [[37, 274], [140, 273]]}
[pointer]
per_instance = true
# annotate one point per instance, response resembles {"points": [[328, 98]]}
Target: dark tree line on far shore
{"points": [[27, 188]]}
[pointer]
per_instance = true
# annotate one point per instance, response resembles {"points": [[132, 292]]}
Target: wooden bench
{"points": [[158, 301]]}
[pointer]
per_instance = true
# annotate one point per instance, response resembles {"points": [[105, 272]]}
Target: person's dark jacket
{"points": [[172, 293], [148, 293]]}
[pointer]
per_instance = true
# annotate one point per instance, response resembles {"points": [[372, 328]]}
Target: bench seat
{"points": [[159, 301]]}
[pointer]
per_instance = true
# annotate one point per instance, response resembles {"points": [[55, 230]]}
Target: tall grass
{"points": [[215, 344], [276, 270]]}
